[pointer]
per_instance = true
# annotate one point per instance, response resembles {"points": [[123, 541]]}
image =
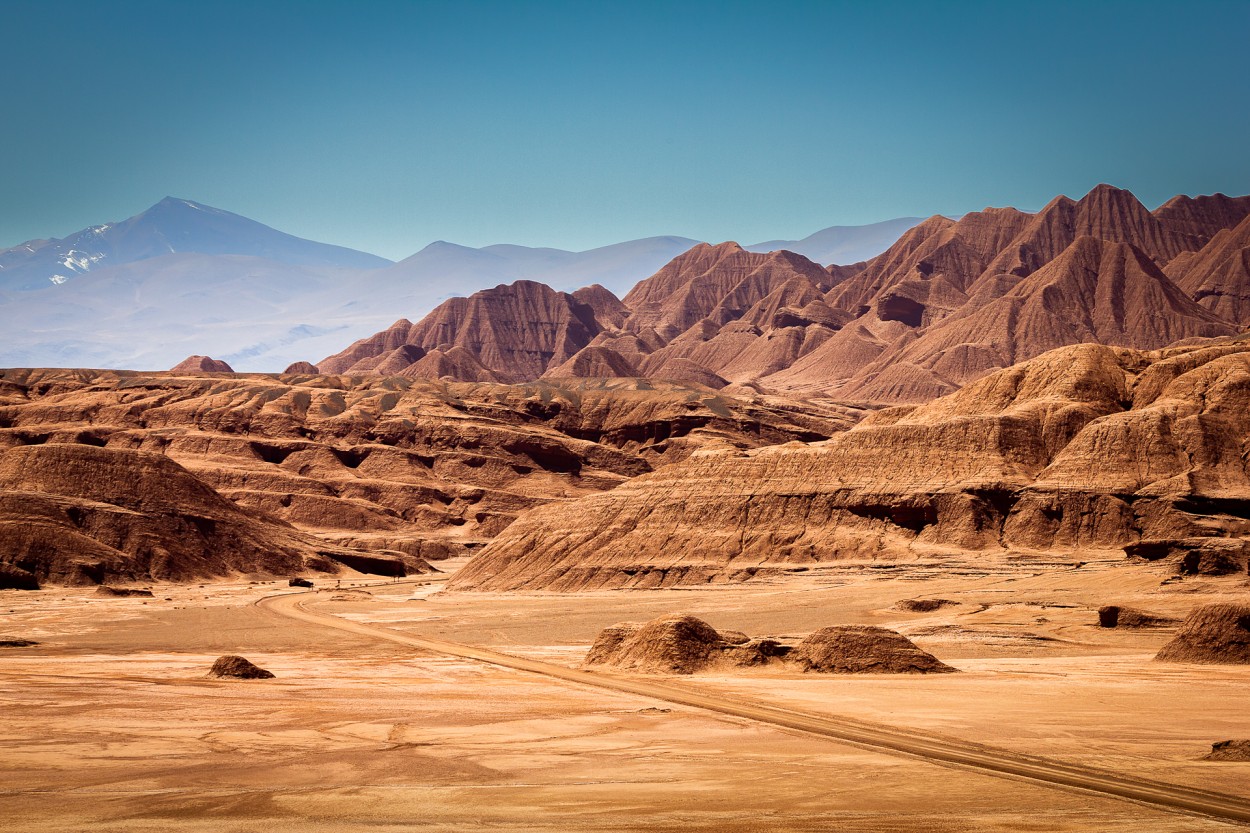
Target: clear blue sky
{"points": [[386, 125]]}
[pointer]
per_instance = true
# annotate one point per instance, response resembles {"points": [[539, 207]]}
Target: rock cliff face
{"points": [[78, 514], [1086, 447], [948, 303], [269, 473]]}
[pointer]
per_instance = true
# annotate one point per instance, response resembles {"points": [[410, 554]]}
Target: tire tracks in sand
{"points": [[876, 737]]}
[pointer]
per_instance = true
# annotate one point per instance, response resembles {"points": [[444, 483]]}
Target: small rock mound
{"points": [[669, 645], [1115, 616], [201, 364], [1218, 633], [302, 368], [106, 590], [859, 649], [1230, 750], [299, 582], [924, 605], [238, 668], [16, 642]]}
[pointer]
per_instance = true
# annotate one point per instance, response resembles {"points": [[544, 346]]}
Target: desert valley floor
{"points": [[111, 723]]}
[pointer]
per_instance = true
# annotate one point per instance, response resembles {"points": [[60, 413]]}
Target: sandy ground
{"points": [[110, 723]]}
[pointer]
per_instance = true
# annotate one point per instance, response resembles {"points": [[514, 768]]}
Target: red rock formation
{"points": [[1218, 276], [397, 470], [946, 304], [1083, 448], [201, 364], [302, 368]]}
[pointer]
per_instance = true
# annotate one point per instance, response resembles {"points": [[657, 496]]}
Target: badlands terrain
{"points": [[955, 538]]}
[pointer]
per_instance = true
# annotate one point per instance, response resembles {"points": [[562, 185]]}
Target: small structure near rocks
{"points": [[859, 649], [16, 642], [1230, 750], [683, 644], [238, 668], [924, 605], [107, 590], [299, 582], [1218, 633], [1115, 616]]}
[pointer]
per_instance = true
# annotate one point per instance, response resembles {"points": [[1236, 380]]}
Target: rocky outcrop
{"points": [[201, 364], [1218, 276], [1083, 448], [1116, 616], [863, 649], [238, 668], [517, 331], [302, 368], [1212, 634], [78, 514], [1236, 751], [383, 474], [683, 644]]}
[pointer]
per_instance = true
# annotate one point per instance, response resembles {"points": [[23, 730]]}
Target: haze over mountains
{"points": [[947, 303], [183, 277]]}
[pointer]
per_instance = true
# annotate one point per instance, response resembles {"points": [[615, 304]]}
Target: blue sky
{"points": [[386, 125]]}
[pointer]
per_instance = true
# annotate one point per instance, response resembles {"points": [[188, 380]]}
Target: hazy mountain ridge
{"points": [[185, 278], [949, 302]]}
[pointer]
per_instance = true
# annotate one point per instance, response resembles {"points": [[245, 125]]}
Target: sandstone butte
{"points": [[1085, 448], [118, 475], [201, 364], [948, 303]]}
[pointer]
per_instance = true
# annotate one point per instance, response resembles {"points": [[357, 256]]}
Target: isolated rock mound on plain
{"points": [[302, 368], [1212, 634], [864, 649], [923, 605], [1236, 751], [1115, 616], [678, 644], [201, 364], [237, 668], [683, 644], [121, 592]]}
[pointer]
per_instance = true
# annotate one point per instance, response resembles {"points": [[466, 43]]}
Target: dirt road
{"points": [[868, 735]]}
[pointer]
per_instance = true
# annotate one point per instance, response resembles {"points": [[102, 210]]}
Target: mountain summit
{"points": [[172, 226]]}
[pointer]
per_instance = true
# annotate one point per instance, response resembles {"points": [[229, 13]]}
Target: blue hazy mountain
{"points": [[172, 226], [184, 278], [843, 245]]}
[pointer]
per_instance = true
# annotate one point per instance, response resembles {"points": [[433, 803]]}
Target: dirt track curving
{"points": [[879, 737]]}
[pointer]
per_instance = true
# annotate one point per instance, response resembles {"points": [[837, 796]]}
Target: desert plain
{"points": [[111, 723]]}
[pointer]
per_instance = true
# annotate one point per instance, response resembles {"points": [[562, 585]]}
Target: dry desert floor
{"points": [[111, 724]]}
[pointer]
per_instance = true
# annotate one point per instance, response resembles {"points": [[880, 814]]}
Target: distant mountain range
{"points": [[949, 302], [183, 278]]}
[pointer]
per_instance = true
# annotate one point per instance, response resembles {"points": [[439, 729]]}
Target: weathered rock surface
{"points": [[1236, 751], [201, 364], [1116, 616], [683, 644], [1212, 634], [116, 475], [238, 668], [122, 592], [81, 514], [863, 649], [1084, 448], [302, 368]]}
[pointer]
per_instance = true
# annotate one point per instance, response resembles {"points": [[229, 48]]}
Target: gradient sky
{"points": [[387, 125]]}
